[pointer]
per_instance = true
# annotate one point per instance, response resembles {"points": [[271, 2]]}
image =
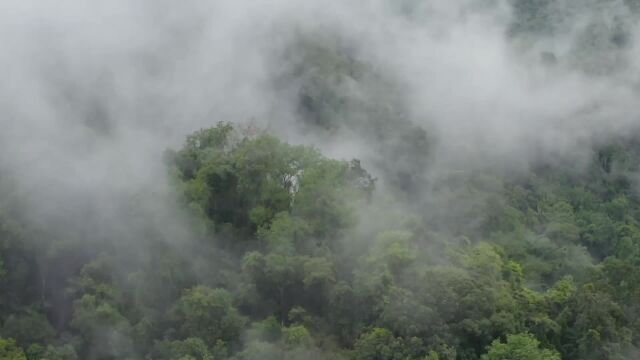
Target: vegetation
{"points": [[547, 270], [290, 254]]}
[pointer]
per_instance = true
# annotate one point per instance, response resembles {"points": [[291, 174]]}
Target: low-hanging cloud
{"points": [[92, 93]]}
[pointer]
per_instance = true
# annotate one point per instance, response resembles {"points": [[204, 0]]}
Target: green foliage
{"points": [[106, 331], [292, 256], [27, 328], [394, 249], [191, 348], [208, 314], [522, 347], [64, 352], [249, 181], [296, 336], [10, 351], [380, 344]]}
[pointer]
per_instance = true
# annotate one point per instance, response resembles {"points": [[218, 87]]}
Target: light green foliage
{"points": [[380, 344], [432, 355], [521, 347], [296, 336], [193, 348], [246, 182], [10, 351], [393, 248], [283, 233]]}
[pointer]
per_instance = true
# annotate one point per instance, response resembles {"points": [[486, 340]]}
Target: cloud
{"points": [[92, 93]]}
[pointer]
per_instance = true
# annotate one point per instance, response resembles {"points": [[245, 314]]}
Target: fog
{"points": [[93, 92]]}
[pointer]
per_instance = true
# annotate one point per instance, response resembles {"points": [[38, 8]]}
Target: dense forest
{"points": [[349, 229]]}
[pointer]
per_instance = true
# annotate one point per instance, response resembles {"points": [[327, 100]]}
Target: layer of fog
{"points": [[93, 92]]}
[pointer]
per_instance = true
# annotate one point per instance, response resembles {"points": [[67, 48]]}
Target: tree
{"points": [[28, 327], [105, 330], [522, 347], [193, 348], [296, 336], [208, 314], [10, 351], [380, 344], [63, 352], [246, 181]]}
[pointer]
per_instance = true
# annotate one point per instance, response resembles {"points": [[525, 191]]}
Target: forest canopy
{"points": [[548, 272], [367, 180]]}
